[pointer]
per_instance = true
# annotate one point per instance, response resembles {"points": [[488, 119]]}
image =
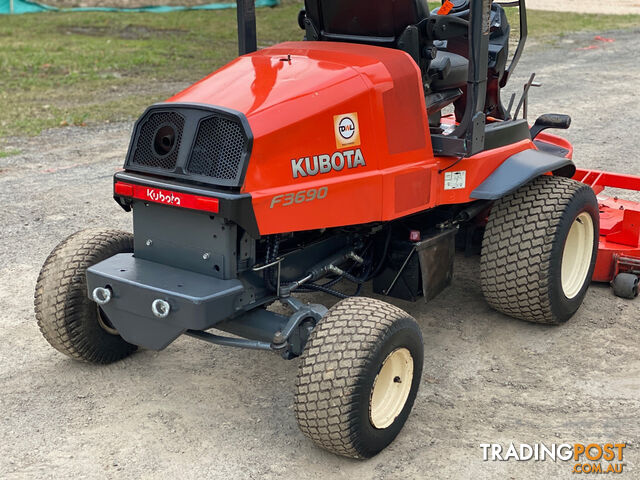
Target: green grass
{"points": [[9, 153], [59, 69], [76, 68]]}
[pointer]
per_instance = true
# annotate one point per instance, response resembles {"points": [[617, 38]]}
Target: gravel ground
{"points": [[200, 411]]}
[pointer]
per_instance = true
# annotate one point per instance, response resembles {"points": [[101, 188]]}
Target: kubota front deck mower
{"points": [[312, 165]]}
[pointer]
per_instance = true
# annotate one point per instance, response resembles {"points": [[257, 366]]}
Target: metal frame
{"points": [[524, 33], [247, 30], [469, 136], [472, 126], [264, 330]]}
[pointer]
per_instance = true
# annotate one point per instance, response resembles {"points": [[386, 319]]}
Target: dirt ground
{"points": [[201, 411]]}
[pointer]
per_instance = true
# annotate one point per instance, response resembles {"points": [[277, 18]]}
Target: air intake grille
{"points": [[218, 150], [145, 153], [194, 143]]}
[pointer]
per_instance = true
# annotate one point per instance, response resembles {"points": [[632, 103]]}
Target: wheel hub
{"points": [[576, 258], [391, 388]]}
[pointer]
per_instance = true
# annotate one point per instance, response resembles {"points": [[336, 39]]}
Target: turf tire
{"points": [[523, 246], [67, 318], [336, 377]]}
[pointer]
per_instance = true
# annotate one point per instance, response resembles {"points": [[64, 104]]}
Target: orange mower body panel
{"points": [[340, 136]]}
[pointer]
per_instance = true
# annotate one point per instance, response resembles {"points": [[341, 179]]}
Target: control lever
{"points": [[550, 120], [524, 100]]}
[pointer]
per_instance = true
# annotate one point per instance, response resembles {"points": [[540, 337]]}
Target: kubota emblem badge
{"points": [[347, 130]]}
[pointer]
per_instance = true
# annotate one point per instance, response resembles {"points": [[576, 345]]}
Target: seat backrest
{"points": [[364, 21]]}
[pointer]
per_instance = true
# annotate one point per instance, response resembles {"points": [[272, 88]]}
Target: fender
{"points": [[520, 169]]}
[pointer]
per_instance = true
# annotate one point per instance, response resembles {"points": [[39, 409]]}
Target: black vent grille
{"points": [[145, 153], [218, 149], [191, 142]]}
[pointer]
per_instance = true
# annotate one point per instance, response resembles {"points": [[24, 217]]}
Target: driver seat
{"points": [[379, 23], [385, 24]]}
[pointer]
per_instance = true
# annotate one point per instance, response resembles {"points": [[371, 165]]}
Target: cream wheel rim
{"points": [[391, 388], [576, 258]]}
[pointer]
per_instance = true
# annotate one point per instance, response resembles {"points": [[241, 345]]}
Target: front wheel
{"points": [[359, 377], [539, 250]]}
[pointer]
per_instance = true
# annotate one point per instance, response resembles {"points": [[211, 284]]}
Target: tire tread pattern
{"points": [[61, 302], [517, 246], [333, 366]]}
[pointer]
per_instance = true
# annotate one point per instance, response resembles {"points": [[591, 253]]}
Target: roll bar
{"points": [[524, 33], [247, 31], [468, 138]]}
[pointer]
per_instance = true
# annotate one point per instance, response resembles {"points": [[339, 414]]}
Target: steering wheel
{"points": [[460, 5], [460, 8]]}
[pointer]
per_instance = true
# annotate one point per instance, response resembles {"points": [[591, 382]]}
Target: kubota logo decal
{"points": [[347, 130], [160, 196], [311, 166], [166, 197]]}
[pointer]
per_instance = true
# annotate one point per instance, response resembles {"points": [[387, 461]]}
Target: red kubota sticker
{"points": [[167, 197]]}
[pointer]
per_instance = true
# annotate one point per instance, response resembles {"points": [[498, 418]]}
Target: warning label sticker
{"points": [[455, 180]]}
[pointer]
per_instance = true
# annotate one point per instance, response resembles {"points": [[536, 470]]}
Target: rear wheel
{"points": [[359, 377], [539, 250], [68, 319]]}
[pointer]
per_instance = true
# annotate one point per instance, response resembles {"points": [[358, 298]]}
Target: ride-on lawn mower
{"points": [[332, 161]]}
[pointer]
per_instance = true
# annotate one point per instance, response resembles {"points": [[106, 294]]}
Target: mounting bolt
{"points": [[149, 242], [278, 338], [206, 256]]}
